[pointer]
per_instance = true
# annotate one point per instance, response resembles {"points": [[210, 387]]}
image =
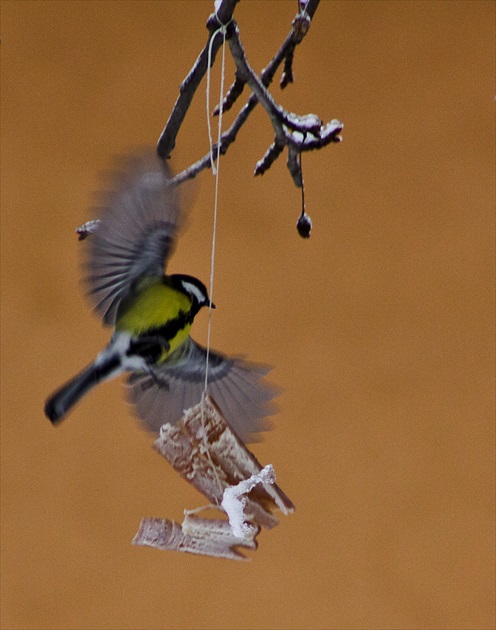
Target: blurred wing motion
{"points": [[140, 218], [236, 386]]}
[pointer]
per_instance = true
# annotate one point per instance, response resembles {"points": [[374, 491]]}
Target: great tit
{"points": [[152, 313]]}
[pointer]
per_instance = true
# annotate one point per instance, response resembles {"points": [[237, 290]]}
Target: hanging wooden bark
{"points": [[204, 450]]}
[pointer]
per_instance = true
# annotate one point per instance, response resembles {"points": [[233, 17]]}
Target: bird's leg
{"points": [[150, 348], [162, 383]]}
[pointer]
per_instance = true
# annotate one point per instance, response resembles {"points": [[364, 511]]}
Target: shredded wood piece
{"points": [[200, 536], [212, 458]]}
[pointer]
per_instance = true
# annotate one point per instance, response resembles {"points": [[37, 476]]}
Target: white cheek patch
{"points": [[194, 290]]}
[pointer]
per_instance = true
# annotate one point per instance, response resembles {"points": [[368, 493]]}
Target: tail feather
{"points": [[61, 401]]}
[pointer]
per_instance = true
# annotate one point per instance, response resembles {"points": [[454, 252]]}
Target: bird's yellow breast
{"points": [[153, 306]]}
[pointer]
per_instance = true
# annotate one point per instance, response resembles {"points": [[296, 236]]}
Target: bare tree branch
{"points": [[298, 133], [188, 87]]}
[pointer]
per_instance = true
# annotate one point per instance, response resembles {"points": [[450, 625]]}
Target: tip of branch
{"points": [[268, 159], [286, 79], [87, 228]]}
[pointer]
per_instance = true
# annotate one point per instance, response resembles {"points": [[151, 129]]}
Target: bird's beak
{"points": [[213, 305]]}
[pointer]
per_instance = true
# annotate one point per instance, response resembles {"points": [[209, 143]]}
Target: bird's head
{"points": [[194, 288]]}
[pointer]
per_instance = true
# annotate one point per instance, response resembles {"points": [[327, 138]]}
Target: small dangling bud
{"points": [[304, 225]]}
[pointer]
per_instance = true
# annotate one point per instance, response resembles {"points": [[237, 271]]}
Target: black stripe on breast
{"points": [[148, 345], [169, 330]]}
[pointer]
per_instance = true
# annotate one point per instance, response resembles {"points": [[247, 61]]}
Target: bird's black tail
{"points": [[62, 401]]}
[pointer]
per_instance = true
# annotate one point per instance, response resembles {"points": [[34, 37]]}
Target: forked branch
{"points": [[297, 133]]}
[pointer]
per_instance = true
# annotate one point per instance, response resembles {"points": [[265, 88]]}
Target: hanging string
{"points": [[215, 172], [221, 29]]}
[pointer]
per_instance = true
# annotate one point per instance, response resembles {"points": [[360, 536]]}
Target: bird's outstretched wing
{"points": [[237, 387], [140, 216]]}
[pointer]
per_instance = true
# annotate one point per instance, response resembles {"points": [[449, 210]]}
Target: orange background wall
{"points": [[380, 326]]}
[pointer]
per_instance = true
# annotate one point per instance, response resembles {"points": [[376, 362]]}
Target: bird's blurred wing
{"points": [[237, 387], [140, 216]]}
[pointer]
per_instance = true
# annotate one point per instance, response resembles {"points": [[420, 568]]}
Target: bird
{"points": [[151, 313]]}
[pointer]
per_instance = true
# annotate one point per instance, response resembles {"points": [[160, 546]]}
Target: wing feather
{"points": [[140, 216], [237, 386]]}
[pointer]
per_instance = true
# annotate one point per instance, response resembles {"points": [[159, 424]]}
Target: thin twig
{"points": [[271, 155], [287, 74], [298, 133], [232, 96]]}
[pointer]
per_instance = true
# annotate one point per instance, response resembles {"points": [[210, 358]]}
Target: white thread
{"points": [[221, 29], [215, 171]]}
